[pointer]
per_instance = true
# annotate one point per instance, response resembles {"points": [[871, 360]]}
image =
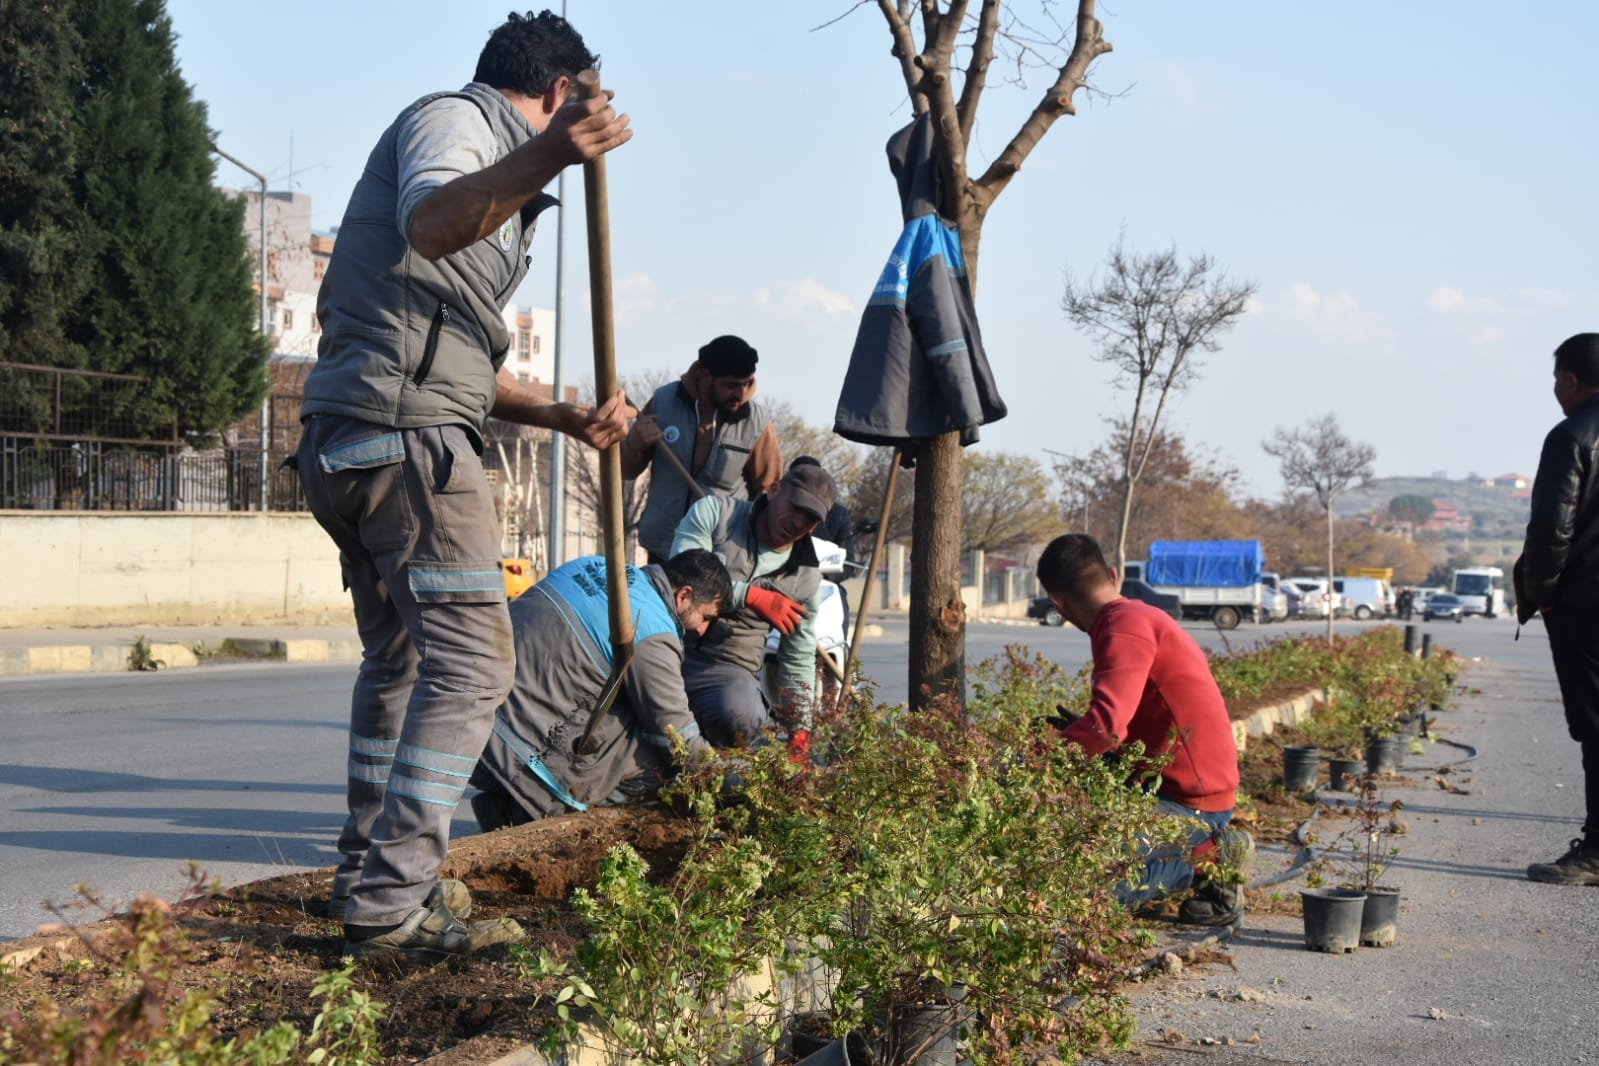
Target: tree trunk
{"points": [[1331, 603], [937, 616], [1121, 533]]}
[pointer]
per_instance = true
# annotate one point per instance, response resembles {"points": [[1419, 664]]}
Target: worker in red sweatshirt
{"points": [[1152, 683]]}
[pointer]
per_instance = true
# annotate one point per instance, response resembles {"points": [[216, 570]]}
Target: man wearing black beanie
{"points": [[710, 421]]}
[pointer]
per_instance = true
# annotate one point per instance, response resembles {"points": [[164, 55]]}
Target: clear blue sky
{"points": [[1411, 185]]}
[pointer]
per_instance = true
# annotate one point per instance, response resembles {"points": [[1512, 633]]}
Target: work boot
{"points": [[1216, 901], [1578, 866], [1213, 903], [432, 932], [457, 897]]}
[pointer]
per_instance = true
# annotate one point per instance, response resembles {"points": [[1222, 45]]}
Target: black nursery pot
{"points": [[1332, 918], [1383, 754], [1379, 918], [1345, 774], [832, 1053], [1299, 767], [927, 1036]]}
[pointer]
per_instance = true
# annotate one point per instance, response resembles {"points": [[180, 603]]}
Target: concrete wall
{"points": [[91, 568]]}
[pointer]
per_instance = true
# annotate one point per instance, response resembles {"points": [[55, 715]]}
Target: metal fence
{"points": [[92, 476]]}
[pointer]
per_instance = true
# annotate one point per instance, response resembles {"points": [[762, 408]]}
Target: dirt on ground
{"points": [[259, 947]]}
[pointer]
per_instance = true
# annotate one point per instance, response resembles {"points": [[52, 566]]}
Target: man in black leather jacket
{"points": [[1558, 576]]}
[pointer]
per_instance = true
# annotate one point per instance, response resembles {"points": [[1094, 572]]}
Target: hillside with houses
{"points": [[1480, 511]]}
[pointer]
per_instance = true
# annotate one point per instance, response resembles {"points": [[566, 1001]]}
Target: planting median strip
{"points": [[807, 991]]}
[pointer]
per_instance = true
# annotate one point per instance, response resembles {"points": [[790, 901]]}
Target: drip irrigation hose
{"points": [[1309, 852]]}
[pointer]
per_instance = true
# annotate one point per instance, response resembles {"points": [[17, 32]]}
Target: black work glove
{"points": [[1062, 718]]}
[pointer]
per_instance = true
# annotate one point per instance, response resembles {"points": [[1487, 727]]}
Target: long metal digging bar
{"points": [[848, 680], [605, 386]]}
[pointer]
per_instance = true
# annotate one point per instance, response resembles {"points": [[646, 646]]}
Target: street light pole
{"points": [[266, 404]]}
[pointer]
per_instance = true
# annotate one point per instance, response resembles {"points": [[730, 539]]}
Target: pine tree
{"points": [[172, 295], [117, 253], [41, 227]]}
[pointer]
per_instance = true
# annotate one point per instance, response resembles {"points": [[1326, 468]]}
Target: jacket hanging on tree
{"points": [[918, 369]]}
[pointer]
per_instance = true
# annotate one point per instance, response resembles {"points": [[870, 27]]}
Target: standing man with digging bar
{"points": [[432, 246]]}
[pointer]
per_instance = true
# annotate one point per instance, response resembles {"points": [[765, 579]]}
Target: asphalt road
{"points": [[119, 781]]}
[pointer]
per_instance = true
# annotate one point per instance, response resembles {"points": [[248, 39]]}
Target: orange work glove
{"points": [[775, 608], [799, 746]]}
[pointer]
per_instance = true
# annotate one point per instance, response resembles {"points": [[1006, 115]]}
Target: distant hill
{"points": [[1498, 513]]}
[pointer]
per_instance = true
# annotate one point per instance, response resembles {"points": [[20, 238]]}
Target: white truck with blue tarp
{"points": [[1219, 580]]}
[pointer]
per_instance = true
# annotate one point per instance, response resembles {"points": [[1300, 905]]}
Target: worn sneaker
{"points": [[432, 932], [457, 897], [1578, 866]]}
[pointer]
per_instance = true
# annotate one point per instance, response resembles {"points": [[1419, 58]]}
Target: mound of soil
{"points": [[259, 947]]}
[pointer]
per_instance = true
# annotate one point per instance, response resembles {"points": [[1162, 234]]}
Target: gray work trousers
{"points": [[413, 516], [729, 702]]}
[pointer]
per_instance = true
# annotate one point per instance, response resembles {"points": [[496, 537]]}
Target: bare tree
{"points": [[840, 457], [866, 501], [945, 53], [1007, 502], [1189, 493], [1321, 460], [1151, 315]]}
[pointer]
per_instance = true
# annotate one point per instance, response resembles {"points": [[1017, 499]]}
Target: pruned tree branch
{"points": [[1057, 101], [904, 50], [977, 68]]}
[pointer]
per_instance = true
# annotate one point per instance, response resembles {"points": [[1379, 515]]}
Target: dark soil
{"points": [[259, 947], [1276, 692]]}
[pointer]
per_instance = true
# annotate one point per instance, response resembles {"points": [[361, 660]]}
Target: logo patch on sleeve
{"points": [[508, 234]]}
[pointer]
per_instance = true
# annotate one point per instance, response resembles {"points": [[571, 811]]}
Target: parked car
{"points": [[1444, 605], [1041, 608], [1317, 600], [1134, 589], [1364, 597], [1423, 595], [1274, 604]]}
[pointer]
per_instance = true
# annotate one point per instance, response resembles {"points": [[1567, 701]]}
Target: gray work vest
{"points": [[406, 341], [740, 636], [678, 416]]}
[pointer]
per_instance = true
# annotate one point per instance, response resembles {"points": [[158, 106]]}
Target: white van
{"points": [[1365, 597]]}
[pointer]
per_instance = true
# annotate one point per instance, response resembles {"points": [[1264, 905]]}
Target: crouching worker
{"points": [[766, 544], [561, 631], [1152, 683]]}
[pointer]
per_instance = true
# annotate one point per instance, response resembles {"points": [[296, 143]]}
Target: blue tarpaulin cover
{"points": [[1209, 563]]}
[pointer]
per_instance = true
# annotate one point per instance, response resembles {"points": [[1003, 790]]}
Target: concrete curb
{"points": [[1266, 720], [113, 658]]}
